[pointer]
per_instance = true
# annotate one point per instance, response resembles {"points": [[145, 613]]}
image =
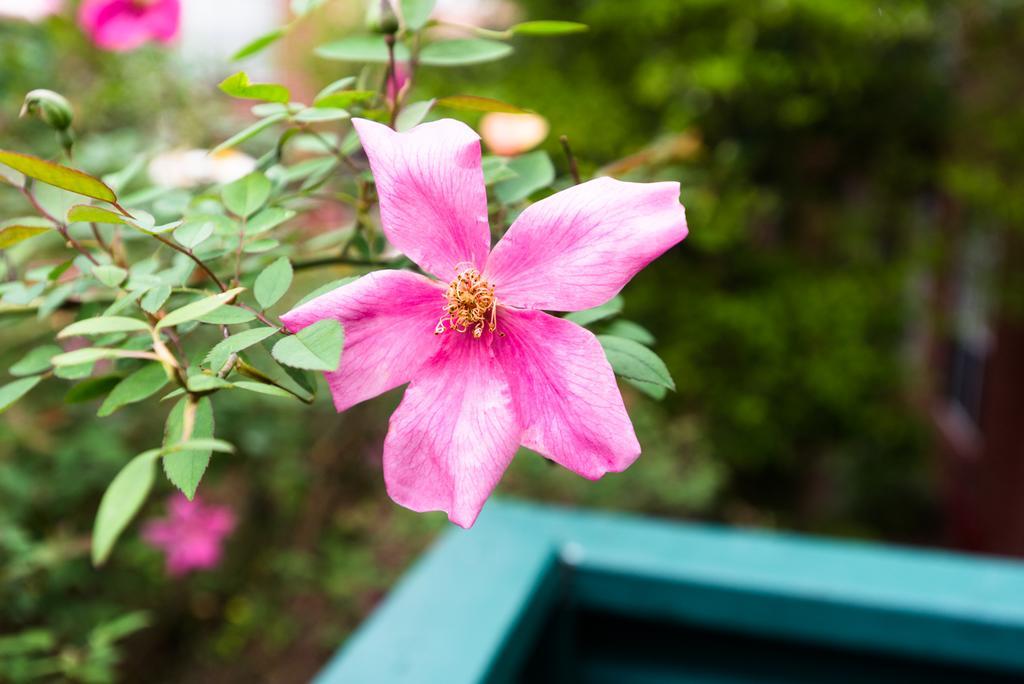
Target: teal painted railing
{"points": [[537, 594]]}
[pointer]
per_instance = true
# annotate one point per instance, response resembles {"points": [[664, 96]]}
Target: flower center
{"points": [[470, 304]]}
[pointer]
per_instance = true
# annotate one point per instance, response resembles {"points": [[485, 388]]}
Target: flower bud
{"points": [[52, 108], [381, 17]]}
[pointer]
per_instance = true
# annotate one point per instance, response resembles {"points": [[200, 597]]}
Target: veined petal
{"points": [[433, 206], [389, 319], [565, 394], [454, 433], [578, 248]]}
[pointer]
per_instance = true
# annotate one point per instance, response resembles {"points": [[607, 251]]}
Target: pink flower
{"points": [[121, 25], [488, 370], [398, 80], [191, 535]]}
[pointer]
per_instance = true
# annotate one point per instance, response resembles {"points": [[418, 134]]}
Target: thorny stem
{"points": [[564, 139], [216, 280], [336, 151], [194, 258], [101, 242], [238, 255], [60, 226]]}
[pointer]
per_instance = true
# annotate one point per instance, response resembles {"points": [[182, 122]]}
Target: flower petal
{"points": [[454, 433], [389, 319], [565, 394], [579, 247], [431, 187]]}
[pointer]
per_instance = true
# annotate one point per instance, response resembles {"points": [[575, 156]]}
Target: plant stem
{"points": [[60, 226], [573, 169]]}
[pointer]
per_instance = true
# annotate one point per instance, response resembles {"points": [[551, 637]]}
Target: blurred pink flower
{"points": [[30, 10], [191, 535], [488, 370], [121, 25], [511, 134], [398, 81]]}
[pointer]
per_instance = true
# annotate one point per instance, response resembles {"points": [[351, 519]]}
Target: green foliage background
{"points": [[815, 141]]}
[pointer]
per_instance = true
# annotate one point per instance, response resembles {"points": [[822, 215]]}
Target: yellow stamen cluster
{"points": [[470, 304]]}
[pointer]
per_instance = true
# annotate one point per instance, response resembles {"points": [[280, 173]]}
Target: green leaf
{"points": [[201, 444], [86, 213], [36, 361], [238, 85], [102, 325], [91, 355], [198, 309], [318, 114], [194, 231], [316, 347], [109, 275], [634, 361], [250, 132], [58, 176], [261, 246], [13, 391], [416, 13], [496, 170], [246, 195], [122, 500], [335, 86], [631, 331], [328, 287], [155, 298], [75, 371], [218, 356], [268, 219], [650, 389], [228, 315], [12, 235], [479, 104], [263, 388], [412, 114], [533, 172], [258, 45], [136, 387], [108, 632], [463, 51], [548, 28], [344, 99], [371, 49], [610, 308], [202, 382], [185, 468], [273, 282], [90, 389], [27, 641], [257, 363]]}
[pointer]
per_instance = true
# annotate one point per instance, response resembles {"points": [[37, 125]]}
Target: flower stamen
{"points": [[470, 304]]}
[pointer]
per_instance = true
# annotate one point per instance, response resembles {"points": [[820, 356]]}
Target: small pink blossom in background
{"points": [[30, 10], [121, 25], [512, 134], [398, 80], [487, 369], [191, 535]]}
